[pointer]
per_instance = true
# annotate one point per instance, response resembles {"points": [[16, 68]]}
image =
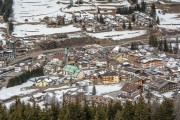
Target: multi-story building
{"points": [[147, 63], [129, 91], [163, 86], [110, 77]]}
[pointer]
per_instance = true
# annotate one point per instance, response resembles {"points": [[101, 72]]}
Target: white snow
{"points": [[118, 4], [175, 1], [63, 87], [31, 30], [3, 25], [17, 90], [118, 35], [168, 20], [148, 1], [8, 105], [34, 10], [102, 89], [168, 94], [79, 8]]}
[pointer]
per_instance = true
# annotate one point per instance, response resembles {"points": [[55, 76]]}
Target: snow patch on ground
{"points": [[118, 35], [102, 89], [63, 87], [31, 30], [34, 10], [168, 20], [17, 90]]}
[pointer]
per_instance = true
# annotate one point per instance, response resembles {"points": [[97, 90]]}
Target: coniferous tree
{"points": [[177, 107], [11, 28], [94, 90], [138, 7], [150, 25], [170, 48], [166, 48], [160, 46], [151, 40], [76, 111], [101, 19], [130, 27], [155, 41], [111, 112], [157, 20], [1, 3], [2, 9], [75, 19], [128, 111], [101, 113], [133, 18], [54, 112], [124, 25], [63, 20], [64, 114], [141, 110], [98, 10], [87, 113], [3, 113], [143, 6], [18, 80], [118, 115], [153, 10], [165, 111], [134, 46]]}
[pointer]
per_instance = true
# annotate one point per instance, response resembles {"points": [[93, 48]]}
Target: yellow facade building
{"points": [[110, 77], [120, 57], [41, 83]]}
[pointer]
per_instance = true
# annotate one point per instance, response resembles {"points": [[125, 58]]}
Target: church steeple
{"points": [[65, 54]]}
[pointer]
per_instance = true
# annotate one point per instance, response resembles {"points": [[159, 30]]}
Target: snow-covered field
{"points": [[79, 8], [3, 25], [102, 89], [6, 93], [26, 30], [169, 20], [118, 35], [148, 1], [34, 10], [120, 3], [63, 87], [175, 1]]}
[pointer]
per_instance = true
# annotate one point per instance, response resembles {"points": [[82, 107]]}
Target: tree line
{"points": [[129, 10], [139, 110], [46, 45], [18, 80], [162, 45], [6, 9]]}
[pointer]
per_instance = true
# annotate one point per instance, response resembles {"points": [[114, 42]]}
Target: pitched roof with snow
{"points": [[130, 88]]}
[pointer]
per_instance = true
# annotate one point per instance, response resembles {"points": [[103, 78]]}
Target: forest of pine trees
{"points": [[129, 10], [162, 45], [134, 46], [6, 9], [76, 111], [25, 76]]}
